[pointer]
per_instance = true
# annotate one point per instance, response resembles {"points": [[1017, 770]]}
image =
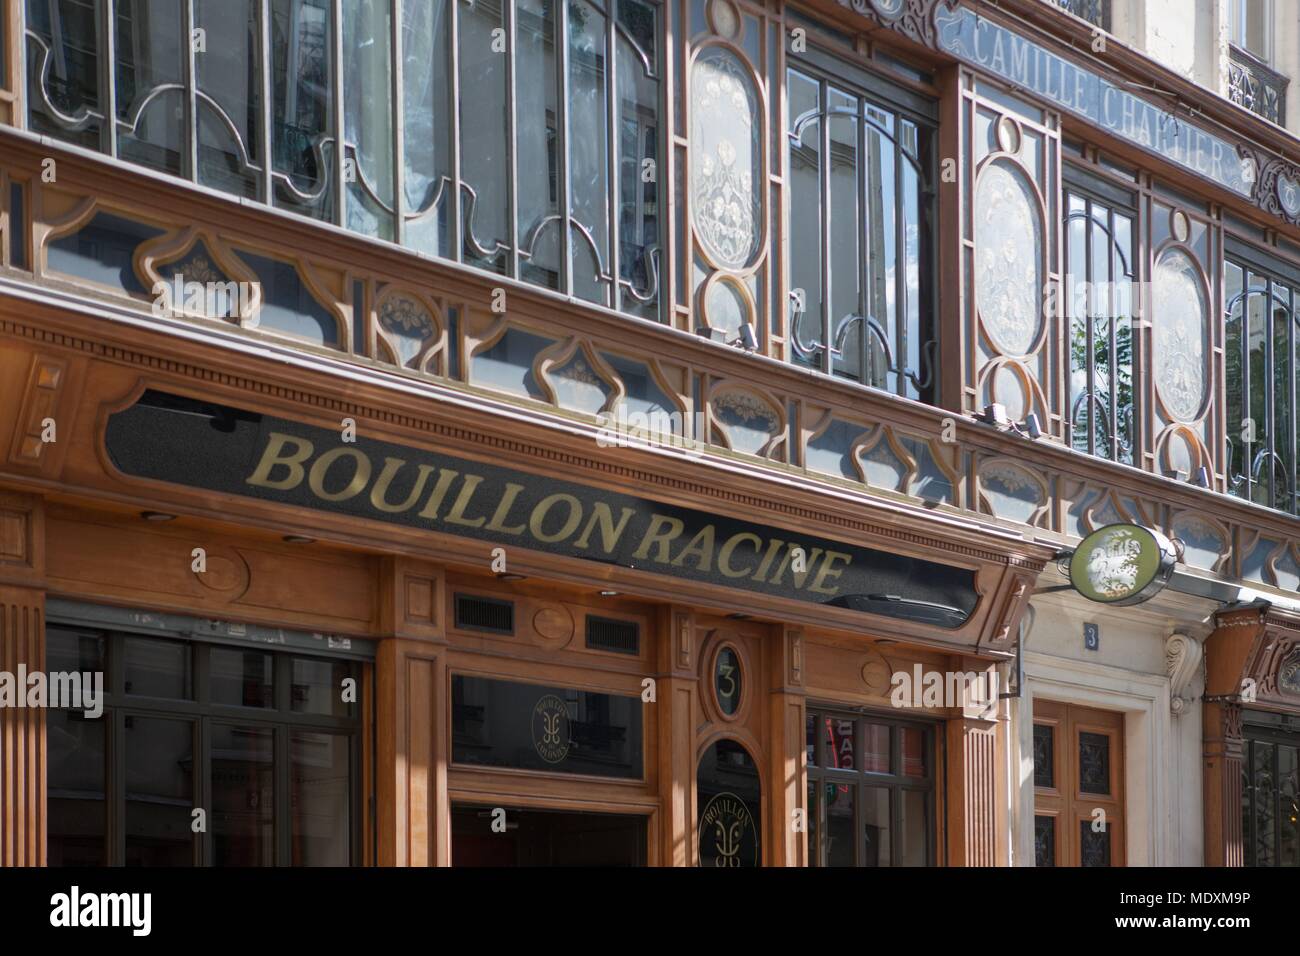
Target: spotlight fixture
{"points": [[609, 593], [995, 414], [157, 516], [739, 617], [298, 539], [511, 576], [1032, 428], [1201, 479], [748, 339]]}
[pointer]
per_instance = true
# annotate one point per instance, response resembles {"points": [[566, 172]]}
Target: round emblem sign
{"points": [[728, 837], [551, 729], [1122, 564]]}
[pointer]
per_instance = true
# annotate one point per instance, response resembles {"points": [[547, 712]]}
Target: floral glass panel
{"points": [[1179, 320], [726, 158], [1008, 258]]}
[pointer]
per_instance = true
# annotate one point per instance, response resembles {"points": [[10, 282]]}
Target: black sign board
{"points": [[218, 448]]}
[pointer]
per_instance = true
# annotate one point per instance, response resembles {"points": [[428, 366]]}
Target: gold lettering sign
{"points": [[303, 466]]}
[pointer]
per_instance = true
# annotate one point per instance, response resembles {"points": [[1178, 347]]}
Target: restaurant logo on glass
{"points": [[728, 837], [551, 729]]}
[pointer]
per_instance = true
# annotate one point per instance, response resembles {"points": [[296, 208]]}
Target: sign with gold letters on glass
{"points": [[729, 800], [501, 723], [223, 449]]}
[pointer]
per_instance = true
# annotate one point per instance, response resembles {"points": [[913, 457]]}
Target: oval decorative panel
{"points": [[1179, 329], [726, 158], [1008, 259]]}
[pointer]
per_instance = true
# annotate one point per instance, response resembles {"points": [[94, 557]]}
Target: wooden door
{"points": [[1078, 785]]}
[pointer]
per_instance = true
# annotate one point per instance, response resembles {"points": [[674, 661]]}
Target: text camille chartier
{"points": [[178, 440]]}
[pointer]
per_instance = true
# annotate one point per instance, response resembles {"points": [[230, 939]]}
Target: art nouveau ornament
{"points": [[1008, 270], [726, 163], [1178, 318]]}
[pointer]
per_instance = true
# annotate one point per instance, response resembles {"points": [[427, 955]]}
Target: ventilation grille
{"points": [[607, 634], [474, 613]]}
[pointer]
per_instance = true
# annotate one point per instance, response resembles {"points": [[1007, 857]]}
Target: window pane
{"points": [[158, 668], [876, 746], [1265, 802], [805, 216], [1288, 769], [68, 32], [426, 106], [914, 839], [536, 135], [159, 792], [1233, 280], [302, 111], [810, 739], [1044, 841], [230, 107], [843, 213], [638, 130], [841, 833], [243, 792], [875, 823], [1044, 756], [1094, 845], [914, 763], [1094, 763], [321, 799], [484, 150], [76, 815], [588, 145], [318, 687], [151, 95], [839, 743], [73, 652], [368, 114], [241, 678], [813, 816]]}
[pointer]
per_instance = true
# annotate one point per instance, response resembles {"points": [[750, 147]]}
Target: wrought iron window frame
{"points": [[1250, 816], [1254, 261], [1077, 180], [621, 293], [828, 69]]}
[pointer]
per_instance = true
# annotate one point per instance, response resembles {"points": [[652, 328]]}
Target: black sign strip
{"points": [[219, 448]]}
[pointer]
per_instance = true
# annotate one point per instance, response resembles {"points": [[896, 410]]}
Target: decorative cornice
{"points": [[1264, 144], [474, 438]]}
